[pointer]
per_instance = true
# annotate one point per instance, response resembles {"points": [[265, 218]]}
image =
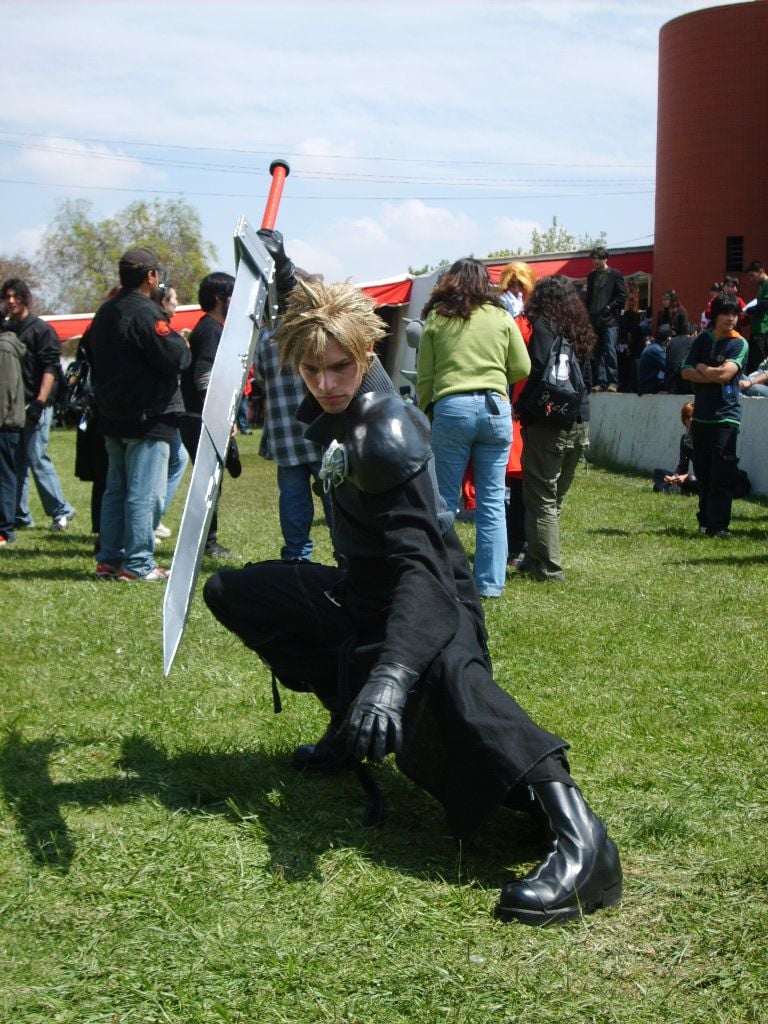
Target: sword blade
{"points": [[252, 296], [185, 568]]}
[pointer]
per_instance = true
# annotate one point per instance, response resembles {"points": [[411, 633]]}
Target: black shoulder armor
{"points": [[387, 442]]}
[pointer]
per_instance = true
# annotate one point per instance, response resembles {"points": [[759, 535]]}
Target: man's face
{"points": [[730, 288], [755, 276], [726, 322], [171, 301], [14, 306], [334, 383], [598, 263]]}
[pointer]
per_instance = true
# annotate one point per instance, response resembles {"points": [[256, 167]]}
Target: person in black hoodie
{"points": [[393, 642], [136, 359]]}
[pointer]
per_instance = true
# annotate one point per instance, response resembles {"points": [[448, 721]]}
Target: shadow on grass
{"points": [[298, 816]]}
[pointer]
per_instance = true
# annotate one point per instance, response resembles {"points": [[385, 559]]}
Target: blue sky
{"points": [[415, 131]]}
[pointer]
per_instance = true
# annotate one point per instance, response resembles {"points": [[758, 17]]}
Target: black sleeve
{"points": [[619, 294]]}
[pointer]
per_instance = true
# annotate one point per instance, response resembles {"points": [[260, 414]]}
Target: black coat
{"points": [[136, 359], [409, 589], [610, 297]]}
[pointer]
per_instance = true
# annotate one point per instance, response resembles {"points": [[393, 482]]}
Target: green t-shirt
{"points": [[758, 322]]}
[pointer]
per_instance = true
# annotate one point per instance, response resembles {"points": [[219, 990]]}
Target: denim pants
{"points": [[177, 463], [606, 361], [477, 426], [136, 483], [32, 455], [549, 460], [297, 510], [9, 444]]}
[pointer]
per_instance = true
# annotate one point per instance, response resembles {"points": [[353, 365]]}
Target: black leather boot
{"points": [[327, 754], [580, 874]]}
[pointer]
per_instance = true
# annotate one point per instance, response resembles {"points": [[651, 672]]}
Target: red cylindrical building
{"points": [[711, 151]]}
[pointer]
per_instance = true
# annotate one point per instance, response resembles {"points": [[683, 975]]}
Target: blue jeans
{"points": [[297, 509], [465, 427], [606, 363], [136, 483], [756, 391], [177, 463], [32, 455]]}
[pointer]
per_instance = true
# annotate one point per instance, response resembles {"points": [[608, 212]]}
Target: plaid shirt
{"points": [[283, 436]]}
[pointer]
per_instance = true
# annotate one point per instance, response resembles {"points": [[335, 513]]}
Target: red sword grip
{"points": [[279, 170]]}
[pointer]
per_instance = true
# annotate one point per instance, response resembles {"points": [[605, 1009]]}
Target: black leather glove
{"points": [[374, 722], [285, 280], [35, 411]]}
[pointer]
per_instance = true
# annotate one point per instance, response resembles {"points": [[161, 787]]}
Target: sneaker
{"points": [[722, 534], [612, 388], [60, 523], [150, 577], [217, 551], [4, 542], [597, 389], [162, 532], [105, 571]]}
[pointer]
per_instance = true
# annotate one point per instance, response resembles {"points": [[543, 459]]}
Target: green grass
{"points": [[161, 862]]}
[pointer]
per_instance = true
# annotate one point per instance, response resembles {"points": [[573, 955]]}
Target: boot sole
{"points": [[604, 897], [540, 918]]}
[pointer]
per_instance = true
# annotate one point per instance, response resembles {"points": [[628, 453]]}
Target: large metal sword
{"points": [[253, 302]]}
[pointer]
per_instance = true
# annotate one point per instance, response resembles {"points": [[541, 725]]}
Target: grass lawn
{"points": [[161, 862]]}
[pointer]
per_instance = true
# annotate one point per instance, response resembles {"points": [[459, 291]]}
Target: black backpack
{"points": [[75, 401], [556, 397]]}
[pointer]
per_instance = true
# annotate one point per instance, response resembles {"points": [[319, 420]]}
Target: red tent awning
{"points": [[389, 293], [578, 266]]}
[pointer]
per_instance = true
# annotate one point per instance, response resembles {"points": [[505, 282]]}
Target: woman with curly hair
{"points": [[551, 453], [470, 352]]}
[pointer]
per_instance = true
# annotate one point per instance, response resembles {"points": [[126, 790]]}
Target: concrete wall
{"points": [[643, 432]]}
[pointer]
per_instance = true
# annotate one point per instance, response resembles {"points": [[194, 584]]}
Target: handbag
{"points": [[556, 397]]}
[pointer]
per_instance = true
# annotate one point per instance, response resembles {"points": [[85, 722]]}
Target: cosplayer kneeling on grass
{"points": [[393, 643]]}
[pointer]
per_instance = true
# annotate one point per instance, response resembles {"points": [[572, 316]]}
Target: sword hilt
{"points": [[279, 170]]}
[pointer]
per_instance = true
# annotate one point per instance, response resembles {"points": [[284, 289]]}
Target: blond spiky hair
{"points": [[318, 311]]}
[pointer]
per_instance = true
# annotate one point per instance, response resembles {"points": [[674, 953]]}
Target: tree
{"points": [[554, 239], [79, 256], [20, 266]]}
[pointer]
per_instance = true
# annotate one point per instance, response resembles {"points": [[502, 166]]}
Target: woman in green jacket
{"points": [[470, 352]]}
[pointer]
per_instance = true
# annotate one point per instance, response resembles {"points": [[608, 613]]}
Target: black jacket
{"points": [[136, 360], [408, 588], [43, 353], [609, 300]]}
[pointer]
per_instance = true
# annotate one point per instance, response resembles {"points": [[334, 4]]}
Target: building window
{"points": [[734, 254]]}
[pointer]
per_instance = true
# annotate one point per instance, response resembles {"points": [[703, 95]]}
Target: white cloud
{"points": [[512, 233], [67, 163]]}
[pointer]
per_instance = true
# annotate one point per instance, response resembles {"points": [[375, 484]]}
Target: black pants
{"points": [[466, 741], [715, 464], [189, 428]]}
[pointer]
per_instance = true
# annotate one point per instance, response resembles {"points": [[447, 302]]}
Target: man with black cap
{"points": [[136, 360]]}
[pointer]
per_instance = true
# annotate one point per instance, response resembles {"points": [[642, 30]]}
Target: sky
{"points": [[416, 132]]}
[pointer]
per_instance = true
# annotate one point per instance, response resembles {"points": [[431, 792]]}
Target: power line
{"points": [[284, 150], [325, 197]]}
